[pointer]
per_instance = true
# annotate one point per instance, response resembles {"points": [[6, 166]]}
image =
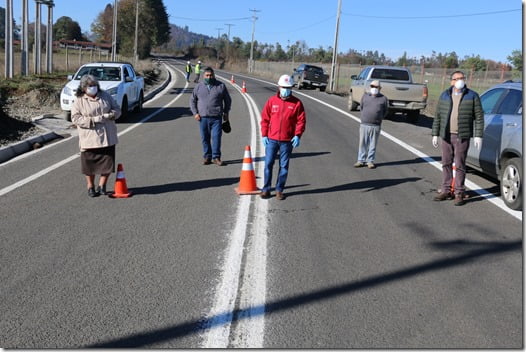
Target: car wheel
{"points": [[352, 105], [124, 109], [511, 184], [138, 107], [322, 89]]}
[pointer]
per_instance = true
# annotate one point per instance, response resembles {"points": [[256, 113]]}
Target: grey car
{"points": [[501, 153]]}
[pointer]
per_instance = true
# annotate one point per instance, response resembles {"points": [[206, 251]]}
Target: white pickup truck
{"points": [[119, 79], [397, 85]]}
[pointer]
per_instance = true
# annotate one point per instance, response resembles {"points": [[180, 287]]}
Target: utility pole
{"points": [[24, 57], [49, 35], [114, 34], [335, 48], [228, 39], [37, 53], [135, 57], [251, 62], [218, 32], [9, 39]]}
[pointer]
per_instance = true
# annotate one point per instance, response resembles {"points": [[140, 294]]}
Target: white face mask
{"points": [[92, 91], [374, 91], [460, 84], [285, 92]]}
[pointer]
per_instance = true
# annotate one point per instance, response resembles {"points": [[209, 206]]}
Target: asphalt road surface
{"points": [[352, 258]]}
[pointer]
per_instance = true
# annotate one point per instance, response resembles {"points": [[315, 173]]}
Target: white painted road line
{"points": [[250, 292]]}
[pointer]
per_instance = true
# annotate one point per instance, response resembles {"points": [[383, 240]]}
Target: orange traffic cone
{"points": [[120, 190], [454, 168], [244, 88], [247, 180], [232, 80]]}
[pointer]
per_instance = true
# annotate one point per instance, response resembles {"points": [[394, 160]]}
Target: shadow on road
{"points": [[367, 186], [468, 252], [292, 156], [185, 186]]}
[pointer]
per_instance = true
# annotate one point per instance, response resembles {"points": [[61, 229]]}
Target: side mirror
{"points": [[294, 69], [128, 79], [70, 77], [353, 77]]}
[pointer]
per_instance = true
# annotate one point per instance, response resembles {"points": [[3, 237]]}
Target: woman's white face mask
{"points": [[91, 90]]}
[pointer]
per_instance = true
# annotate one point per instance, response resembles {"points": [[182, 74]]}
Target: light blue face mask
{"points": [[285, 92]]}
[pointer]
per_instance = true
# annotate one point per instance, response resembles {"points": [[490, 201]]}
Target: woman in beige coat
{"points": [[94, 113]]}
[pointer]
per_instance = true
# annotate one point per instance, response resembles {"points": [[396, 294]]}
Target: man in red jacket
{"points": [[282, 124]]}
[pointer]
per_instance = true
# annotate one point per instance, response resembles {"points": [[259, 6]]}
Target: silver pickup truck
{"points": [[397, 85]]}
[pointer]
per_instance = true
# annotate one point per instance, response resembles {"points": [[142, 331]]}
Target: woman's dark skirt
{"points": [[98, 161]]}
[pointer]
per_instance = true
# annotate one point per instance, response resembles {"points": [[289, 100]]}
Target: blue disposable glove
{"points": [[265, 141], [295, 141]]}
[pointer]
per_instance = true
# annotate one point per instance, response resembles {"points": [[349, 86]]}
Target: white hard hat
{"points": [[285, 81], [188, 62], [199, 61]]}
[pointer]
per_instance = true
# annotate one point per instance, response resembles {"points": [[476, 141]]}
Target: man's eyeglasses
{"points": [[456, 79]]}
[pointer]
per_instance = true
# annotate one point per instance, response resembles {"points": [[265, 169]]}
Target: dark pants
{"points": [[455, 150], [211, 129]]}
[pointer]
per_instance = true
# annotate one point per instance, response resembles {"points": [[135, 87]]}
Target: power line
{"points": [[430, 17], [212, 19]]}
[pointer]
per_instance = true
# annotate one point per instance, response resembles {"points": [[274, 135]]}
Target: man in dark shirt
{"points": [[210, 103]]}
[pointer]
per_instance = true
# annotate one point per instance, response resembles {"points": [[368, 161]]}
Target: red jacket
{"points": [[282, 119]]}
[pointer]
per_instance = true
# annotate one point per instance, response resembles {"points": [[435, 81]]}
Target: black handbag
{"points": [[226, 127]]}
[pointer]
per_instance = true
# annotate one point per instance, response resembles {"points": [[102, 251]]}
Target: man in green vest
{"points": [[188, 69], [197, 70]]}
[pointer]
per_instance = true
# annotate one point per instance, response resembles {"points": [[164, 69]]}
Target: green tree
{"points": [[102, 27], [474, 62], [66, 28], [515, 59]]}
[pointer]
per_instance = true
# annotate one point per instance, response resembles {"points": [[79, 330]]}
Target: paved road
{"points": [[353, 258]]}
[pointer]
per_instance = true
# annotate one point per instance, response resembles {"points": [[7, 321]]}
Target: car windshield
{"points": [[395, 75], [100, 73], [315, 69]]}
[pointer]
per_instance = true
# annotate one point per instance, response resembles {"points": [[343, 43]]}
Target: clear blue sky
{"points": [[390, 26]]}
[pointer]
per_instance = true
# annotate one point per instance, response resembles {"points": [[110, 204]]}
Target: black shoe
{"points": [[102, 190], [92, 193], [207, 161]]}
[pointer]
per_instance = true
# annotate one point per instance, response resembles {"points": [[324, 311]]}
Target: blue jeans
{"points": [[368, 139], [211, 128], [271, 150]]}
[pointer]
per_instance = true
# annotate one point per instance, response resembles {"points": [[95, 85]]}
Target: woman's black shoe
{"points": [[92, 193], [102, 190]]}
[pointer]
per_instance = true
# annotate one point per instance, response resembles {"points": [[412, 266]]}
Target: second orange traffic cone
{"points": [[244, 88], [120, 190], [247, 180], [452, 186]]}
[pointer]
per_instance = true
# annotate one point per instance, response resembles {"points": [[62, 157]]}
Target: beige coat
{"points": [[95, 131]]}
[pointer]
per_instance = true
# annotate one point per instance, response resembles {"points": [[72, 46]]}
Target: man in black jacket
{"points": [[459, 117]]}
